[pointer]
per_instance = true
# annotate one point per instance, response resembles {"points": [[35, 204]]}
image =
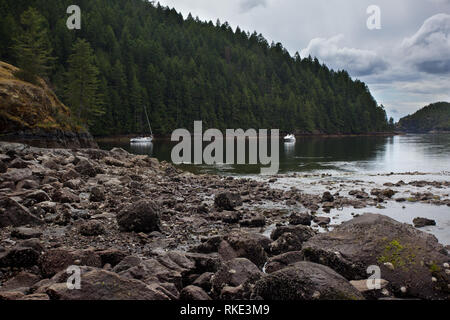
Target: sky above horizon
{"points": [[406, 63]]}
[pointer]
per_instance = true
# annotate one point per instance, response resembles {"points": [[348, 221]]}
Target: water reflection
{"points": [[289, 148], [142, 148], [425, 153]]}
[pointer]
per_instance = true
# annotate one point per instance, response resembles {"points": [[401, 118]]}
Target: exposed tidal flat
{"points": [[149, 230]]}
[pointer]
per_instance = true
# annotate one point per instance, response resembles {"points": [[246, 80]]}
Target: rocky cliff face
{"points": [[32, 113]]}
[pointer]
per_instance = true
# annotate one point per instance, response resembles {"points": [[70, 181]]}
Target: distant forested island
{"points": [[432, 118], [133, 54]]}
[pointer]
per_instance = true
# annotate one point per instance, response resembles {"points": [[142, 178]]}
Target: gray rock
{"points": [[282, 261], [142, 216], [245, 245], [104, 285], [14, 214], [234, 273], [423, 222], [406, 256], [227, 200], [305, 281], [91, 228], [300, 219], [193, 293], [25, 233]]}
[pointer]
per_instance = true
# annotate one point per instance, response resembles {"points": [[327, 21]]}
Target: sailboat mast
{"points": [[148, 121]]}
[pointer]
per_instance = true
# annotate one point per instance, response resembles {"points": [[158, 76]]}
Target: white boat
{"points": [[143, 140], [289, 138]]}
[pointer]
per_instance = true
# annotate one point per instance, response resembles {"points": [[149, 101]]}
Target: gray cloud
{"points": [[429, 49], [357, 61], [247, 5]]}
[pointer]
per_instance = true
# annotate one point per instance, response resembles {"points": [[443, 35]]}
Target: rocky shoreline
{"points": [[141, 229]]}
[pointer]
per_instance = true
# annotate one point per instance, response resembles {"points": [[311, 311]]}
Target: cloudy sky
{"points": [[406, 63]]}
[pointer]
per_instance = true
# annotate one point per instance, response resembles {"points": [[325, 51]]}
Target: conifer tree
{"points": [[32, 48], [82, 83]]}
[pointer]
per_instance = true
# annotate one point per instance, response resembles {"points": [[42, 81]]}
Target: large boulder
{"points": [[100, 284], [283, 260], [245, 245], [227, 200], [411, 260], [193, 293], [142, 216], [423, 222], [56, 260], [234, 273], [19, 257], [14, 214], [305, 281]]}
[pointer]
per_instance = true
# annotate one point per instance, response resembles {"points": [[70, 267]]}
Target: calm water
{"points": [[349, 163], [423, 153]]}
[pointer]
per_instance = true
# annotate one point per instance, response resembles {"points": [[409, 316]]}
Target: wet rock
{"points": [[16, 175], [36, 297], [423, 222], [234, 273], [230, 217], [359, 194], [18, 164], [38, 196], [406, 256], [100, 284], [19, 257], [193, 293], [300, 219], [209, 245], [305, 281], [11, 295], [86, 168], [25, 233], [115, 162], [254, 222], [73, 184], [56, 260], [3, 167], [91, 228], [204, 281], [244, 245], [282, 261], [322, 221], [285, 243], [327, 197], [227, 200], [142, 216], [303, 233], [21, 282], [111, 256], [70, 175], [14, 214], [65, 195]]}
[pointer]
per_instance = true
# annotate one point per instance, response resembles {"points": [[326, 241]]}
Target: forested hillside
{"points": [[145, 55], [434, 117]]}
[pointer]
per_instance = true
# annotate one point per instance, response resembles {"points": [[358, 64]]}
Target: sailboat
{"points": [[147, 139], [290, 138]]}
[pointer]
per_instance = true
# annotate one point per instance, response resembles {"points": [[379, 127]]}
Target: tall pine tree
{"points": [[83, 84], [32, 47]]}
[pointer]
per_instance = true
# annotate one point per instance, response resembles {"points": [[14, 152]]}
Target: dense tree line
{"points": [[181, 70], [434, 117]]}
